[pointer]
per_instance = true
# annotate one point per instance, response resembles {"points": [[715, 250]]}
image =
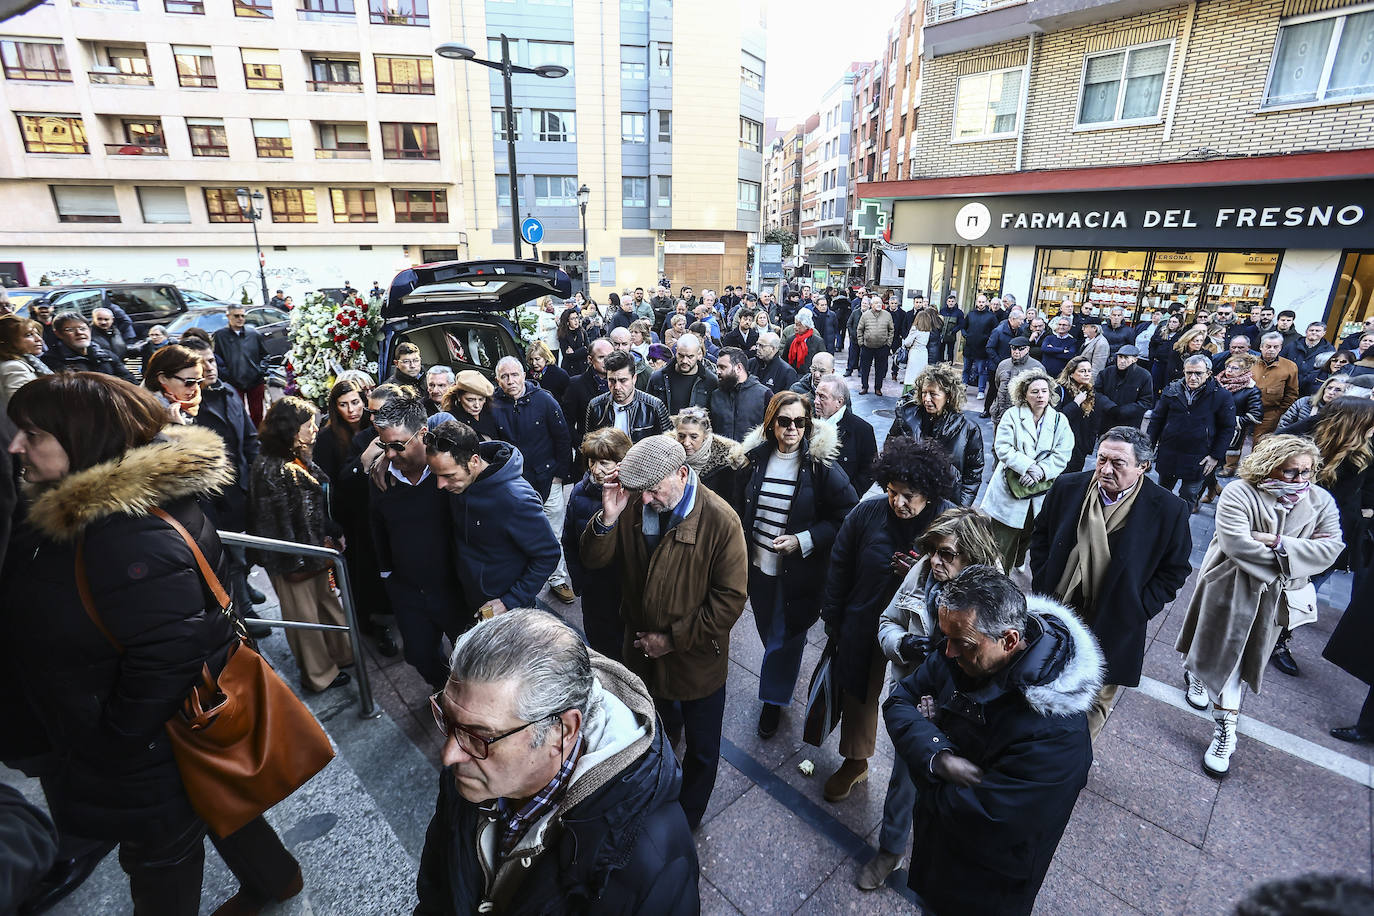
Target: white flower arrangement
{"points": [[327, 338]]}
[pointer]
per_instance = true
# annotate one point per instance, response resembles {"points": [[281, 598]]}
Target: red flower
{"points": [[354, 345], [343, 321]]}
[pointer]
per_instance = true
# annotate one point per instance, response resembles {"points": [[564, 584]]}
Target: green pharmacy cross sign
{"points": [[869, 220]]}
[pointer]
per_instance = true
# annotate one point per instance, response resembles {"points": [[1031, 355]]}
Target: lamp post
{"points": [[584, 194], [507, 69], [251, 206]]}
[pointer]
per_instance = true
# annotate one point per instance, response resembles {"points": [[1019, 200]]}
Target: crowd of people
{"points": [[672, 460]]}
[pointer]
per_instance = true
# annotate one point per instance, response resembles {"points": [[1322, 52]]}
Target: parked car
{"points": [[146, 304], [195, 297], [21, 296], [458, 312], [270, 322]]}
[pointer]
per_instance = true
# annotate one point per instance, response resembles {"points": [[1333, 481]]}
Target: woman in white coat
{"points": [[1274, 530], [917, 345], [1033, 445]]}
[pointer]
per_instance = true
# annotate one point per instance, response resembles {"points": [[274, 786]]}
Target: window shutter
{"points": [[85, 200]]}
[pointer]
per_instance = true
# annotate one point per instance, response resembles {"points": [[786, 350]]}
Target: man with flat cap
{"points": [[1019, 361], [684, 572], [1124, 390]]}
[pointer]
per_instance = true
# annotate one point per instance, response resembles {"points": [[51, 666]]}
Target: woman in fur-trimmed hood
{"points": [[792, 499], [97, 461]]}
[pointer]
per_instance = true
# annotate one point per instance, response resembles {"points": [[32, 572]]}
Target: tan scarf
{"points": [[1087, 563]]}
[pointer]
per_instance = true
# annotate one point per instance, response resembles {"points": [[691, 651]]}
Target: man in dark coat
{"points": [[242, 354], [858, 443], [633, 412], [584, 388], [686, 381], [978, 327], [740, 400], [1113, 545], [1129, 388], [1192, 425], [1304, 353], [1117, 331], [75, 351], [994, 734], [769, 367], [581, 815], [530, 419], [744, 336], [827, 323], [998, 349], [953, 318]]}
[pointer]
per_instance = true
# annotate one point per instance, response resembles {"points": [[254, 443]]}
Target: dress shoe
{"points": [[872, 875], [386, 644], [1282, 658], [878, 392], [342, 680], [768, 720], [863, 391], [256, 596], [843, 780], [1352, 734], [564, 593], [248, 903], [63, 878], [255, 630]]}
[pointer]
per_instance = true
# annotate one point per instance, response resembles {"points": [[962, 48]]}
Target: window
{"points": [[751, 135], [291, 205], [1323, 60], [208, 137], [63, 134], [121, 66], [164, 205], [410, 141], [556, 126], [494, 50], [665, 126], [32, 60], [748, 195], [634, 192], [195, 67], [546, 52], [399, 12], [405, 75], [665, 57], [633, 67], [261, 69], [253, 9], [222, 206], [498, 124], [335, 74], [342, 141], [192, 7], [987, 104], [85, 203], [665, 191], [353, 205], [273, 139], [634, 6], [130, 5], [145, 133], [1123, 86], [503, 190], [315, 10], [634, 127], [421, 206], [751, 72], [555, 191]]}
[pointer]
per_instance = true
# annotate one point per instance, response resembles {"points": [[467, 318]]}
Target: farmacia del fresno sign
{"points": [[1309, 215]]}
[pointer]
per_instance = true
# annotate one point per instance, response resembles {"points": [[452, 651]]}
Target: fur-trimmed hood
{"points": [[183, 461], [822, 445], [1061, 671], [720, 452]]}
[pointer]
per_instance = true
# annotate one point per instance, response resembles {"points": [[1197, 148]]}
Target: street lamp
{"points": [[584, 194], [251, 206], [454, 51]]}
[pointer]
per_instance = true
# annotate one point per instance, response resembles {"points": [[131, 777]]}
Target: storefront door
{"points": [[968, 270], [1353, 302]]}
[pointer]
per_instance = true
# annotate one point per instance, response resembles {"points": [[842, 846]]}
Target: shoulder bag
{"points": [[1020, 490], [243, 741]]}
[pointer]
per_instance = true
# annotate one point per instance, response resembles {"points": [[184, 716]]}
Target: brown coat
{"points": [[693, 587], [1234, 615], [1278, 385]]}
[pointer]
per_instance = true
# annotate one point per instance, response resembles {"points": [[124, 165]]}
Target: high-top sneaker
{"points": [[1197, 694], [1217, 760]]}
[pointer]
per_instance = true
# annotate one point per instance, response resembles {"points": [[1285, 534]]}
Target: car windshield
{"points": [[196, 297], [206, 321], [18, 298]]}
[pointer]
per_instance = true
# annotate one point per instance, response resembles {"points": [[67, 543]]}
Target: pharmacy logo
{"points": [[972, 221]]}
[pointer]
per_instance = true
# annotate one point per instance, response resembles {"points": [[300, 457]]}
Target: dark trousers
{"points": [[1188, 491], [165, 874], [875, 357], [255, 396], [700, 721], [991, 390], [424, 621], [852, 362], [947, 349], [238, 579]]}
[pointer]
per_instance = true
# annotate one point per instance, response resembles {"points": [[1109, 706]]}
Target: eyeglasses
{"points": [[792, 422], [1293, 474], [474, 745], [188, 382], [947, 554], [400, 446]]}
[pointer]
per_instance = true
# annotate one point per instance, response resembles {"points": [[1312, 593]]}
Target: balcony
{"points": [[343, 154], [115, 78], [961, 25], [136, 149], [945, 10], [333, 86]]}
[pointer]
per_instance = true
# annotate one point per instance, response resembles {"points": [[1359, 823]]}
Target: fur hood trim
{"points": [[1074, 686], [183, 461], [822, 445]]}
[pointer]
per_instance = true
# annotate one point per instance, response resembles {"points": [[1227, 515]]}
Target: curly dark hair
{"points": [[1311, 895], [277, 434], [924, 466]]}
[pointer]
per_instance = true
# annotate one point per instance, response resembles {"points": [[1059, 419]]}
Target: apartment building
{"points": [[660, 117], [832, 156], [784, 170], [1102, 153]]}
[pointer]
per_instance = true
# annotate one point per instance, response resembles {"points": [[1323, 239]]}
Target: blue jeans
{"points": [[897, 809], [976, 372], [782, 655], [1188, 491], [700, 721]]}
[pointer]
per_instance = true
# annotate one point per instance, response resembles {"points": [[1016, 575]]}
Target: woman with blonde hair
{"points": [[1312, 404], [1190, 343], [934, 409], [544, 372], [1275, 529], [917, 343], [641, 337], [1082, 407], [21, 343]]}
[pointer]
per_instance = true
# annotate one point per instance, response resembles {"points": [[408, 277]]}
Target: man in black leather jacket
{"points": [[633, 412]]}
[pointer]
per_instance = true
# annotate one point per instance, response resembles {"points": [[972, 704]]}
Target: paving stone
{"points": [[1067, 893], [730, 785], [713, 903], [1170, 797], [862, 811], [1220, 881], [741, 722], [839, 895]]}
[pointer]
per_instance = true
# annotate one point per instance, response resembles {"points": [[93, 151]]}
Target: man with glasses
{"points": [[558, 792], [242, 355], [656, 514], [858, 442], [412, 531], [1192, 425], [75, 352], [505, 548], [407, 366]]}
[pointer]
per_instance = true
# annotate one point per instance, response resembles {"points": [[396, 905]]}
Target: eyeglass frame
{"points": [[452, 729], [802, 423], [399, 447], [1297, 474], [188, 382]]}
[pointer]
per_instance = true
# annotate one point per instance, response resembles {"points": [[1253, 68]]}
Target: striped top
{"points": [[773, 506]]}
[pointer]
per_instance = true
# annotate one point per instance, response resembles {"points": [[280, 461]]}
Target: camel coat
{"points": [[1244, 588]]}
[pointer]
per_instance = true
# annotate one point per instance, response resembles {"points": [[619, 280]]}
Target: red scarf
{"points": [[796, 354]]}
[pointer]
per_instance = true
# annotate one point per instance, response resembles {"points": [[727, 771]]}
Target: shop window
{"points": [[1062, 286], [1325, 59], [1353, 303], [1124, 87], [988, 105], [1242, 278], [1118, 281], [1176, 278], [967, 270]]}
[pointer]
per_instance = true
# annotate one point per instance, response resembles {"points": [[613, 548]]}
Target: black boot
{"points": [[64, 877], [768, 720], [1282, 658]]}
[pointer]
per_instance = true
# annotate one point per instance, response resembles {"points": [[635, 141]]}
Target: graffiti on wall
{"points": [[222, 284]]}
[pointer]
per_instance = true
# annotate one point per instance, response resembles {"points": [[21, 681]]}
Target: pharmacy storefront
{"points": [[1301, 245]]}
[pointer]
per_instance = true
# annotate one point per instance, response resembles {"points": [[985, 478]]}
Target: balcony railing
{"points": [[410, 12], [324, 10], [121, 79], [135, 149], [343, 154], [333, 86], [943, 10]]}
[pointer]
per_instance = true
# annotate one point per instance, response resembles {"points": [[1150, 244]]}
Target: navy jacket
{"points": [[534, 423], [858, 448], [222, 410], [978, 327], [242, 357], [1305, 359], [777, 375], [1131, 393], [505, 548], [1119, 337], [736, 411], [827, 326], [1183, 435], [1056, 351], [999, 342]]}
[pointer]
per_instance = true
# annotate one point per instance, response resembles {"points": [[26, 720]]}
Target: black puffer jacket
{"points": [[111, 774], [617, 843], [1184, 434], [959, 436]]}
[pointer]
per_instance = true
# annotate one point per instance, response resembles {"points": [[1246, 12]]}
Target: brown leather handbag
{"points": [[242, 742]]}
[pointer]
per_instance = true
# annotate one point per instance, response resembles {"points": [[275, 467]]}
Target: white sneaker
{"points": [[1217, 760], [1197, 694]]}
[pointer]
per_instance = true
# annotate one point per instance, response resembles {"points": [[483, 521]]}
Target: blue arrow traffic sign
{"points": [[531, 230]]}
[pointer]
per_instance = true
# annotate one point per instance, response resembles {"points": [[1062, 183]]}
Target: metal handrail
{"points": [[367, 709]]}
